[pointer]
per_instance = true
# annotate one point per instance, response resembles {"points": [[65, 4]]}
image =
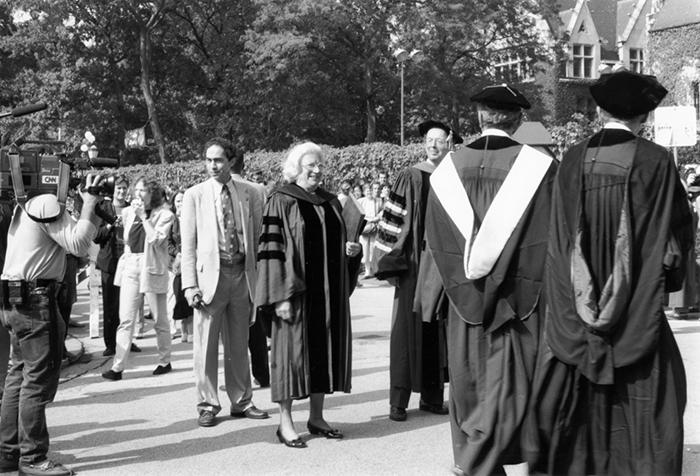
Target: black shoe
{"points": [[251, 412], [257, 382], [436, 409], [398, 414], [330, 434], [206, 418], [108, 351], [297, 443], [112, 375], [45, 468], [162, 369], [148, 316], [135, 348], [8, 463]]}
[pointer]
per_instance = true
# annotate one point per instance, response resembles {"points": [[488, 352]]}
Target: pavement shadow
{"points": [[371, 335], [369, 371], [687, 330], [198, 441], [120, 394]]}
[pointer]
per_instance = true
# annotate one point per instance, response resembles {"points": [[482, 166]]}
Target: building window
{"points": [[513, 68], [637, 60], [583, 61]]}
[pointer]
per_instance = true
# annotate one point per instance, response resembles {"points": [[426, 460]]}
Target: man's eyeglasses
{"points": [[438, 142]]}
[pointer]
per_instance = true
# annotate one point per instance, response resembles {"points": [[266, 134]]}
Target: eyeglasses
{"points": [[312, 167], [440, 142]]}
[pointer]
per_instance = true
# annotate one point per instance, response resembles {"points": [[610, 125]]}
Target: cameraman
{"points": [[34, 266]]}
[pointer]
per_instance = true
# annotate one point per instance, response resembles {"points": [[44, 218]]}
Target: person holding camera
{"points": [[41, 233], [143, 270]]}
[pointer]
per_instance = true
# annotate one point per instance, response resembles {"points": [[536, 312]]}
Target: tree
{"points": [[148, 16], [344, 45], [460, 39]]}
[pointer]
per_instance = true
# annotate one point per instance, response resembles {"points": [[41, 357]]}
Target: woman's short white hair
{"points": [[291, 167]]}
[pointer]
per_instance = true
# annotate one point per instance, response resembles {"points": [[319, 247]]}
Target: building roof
{"points": [[604, 14], [567, 4], [625, 9], [677, 13]]}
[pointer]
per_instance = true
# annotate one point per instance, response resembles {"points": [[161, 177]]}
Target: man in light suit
{"points": [[220, 226]]}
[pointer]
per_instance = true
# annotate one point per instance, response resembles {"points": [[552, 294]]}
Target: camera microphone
{"points": [[104, 162], [32, 108], [24, 110]]}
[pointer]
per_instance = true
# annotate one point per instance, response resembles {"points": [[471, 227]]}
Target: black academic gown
{"points": [[612, 392], [494, 330], [302, 259], [417, 349]]}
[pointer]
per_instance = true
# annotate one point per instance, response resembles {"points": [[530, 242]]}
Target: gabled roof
{"points": [[627, 15], [677, 13], [604, 14], [570, 16], [567, 4]]}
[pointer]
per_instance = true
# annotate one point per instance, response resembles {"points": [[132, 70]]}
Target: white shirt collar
{"points": [[617, 125], [494, 132]]}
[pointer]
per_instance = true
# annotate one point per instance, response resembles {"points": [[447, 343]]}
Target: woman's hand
{"points": [[176, 266], [139, 208], [352, 249], [283, 309]]}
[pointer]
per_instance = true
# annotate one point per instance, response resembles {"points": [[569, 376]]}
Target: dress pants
{"points": [[4, 356], [228, 315], [37, 332], [432, 389], [110, 310], [130, 303]]}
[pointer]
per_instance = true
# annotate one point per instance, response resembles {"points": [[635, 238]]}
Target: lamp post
{"points": [[402, 56], [92, 152]]}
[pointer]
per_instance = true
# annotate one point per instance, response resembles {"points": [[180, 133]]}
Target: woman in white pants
{"points": [[143, 270]]}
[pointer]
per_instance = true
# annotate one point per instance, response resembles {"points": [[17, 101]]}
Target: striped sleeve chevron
{"points": [[393, 221], [271, 239]]}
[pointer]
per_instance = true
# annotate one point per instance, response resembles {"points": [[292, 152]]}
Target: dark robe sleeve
{"points": [[280, 266], [391, 255]]}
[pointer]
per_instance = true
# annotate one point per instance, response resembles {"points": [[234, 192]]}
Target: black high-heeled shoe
{"points": [[330, 434], [296, 443]]}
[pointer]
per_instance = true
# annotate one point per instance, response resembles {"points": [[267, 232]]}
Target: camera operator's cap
{"points": [[424, 127], [501, 96], [627, 94]]}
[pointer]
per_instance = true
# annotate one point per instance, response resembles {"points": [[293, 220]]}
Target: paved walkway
{"points": [[146, 425]]}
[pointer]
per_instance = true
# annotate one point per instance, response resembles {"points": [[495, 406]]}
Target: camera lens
{"points": [[108, 185]]}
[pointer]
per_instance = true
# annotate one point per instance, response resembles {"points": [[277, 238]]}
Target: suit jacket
{"points": [[199, 227], [154, 273]]}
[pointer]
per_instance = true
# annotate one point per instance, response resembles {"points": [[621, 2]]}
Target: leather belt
{"points": [[235, 260]]}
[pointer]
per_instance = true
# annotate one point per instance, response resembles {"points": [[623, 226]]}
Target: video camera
{"points": [[40, 166]]}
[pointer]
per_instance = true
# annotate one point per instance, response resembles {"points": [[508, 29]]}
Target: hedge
{"points": [[356, 163]]}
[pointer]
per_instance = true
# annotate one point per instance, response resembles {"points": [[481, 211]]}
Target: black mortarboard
{"points": [[424, 127], [501, 96], [627, 94]]}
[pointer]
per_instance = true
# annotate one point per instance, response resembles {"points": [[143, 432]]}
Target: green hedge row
{"points": [[357, 163]]}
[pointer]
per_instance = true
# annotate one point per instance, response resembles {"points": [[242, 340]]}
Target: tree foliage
{"points": [[264, 73]]}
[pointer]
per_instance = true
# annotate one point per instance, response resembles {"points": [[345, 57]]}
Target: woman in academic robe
{"points": [[304, 267]]}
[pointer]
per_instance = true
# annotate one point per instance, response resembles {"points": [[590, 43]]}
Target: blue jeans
{"points": [[37, 332]]}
